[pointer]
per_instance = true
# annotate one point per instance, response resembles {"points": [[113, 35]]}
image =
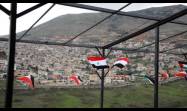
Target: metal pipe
{"points": [[87, 46], [99, 51], [4, 10], [150, 27], [181, 46], [184, 54], [101, 21], [109, 52], [102, 88], [98, 75], [156, 66], [102, 82], [119, 13], [162, 40], [11, 57], [36, 21], [30, 9]]}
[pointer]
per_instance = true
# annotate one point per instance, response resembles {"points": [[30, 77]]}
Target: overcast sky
{"points": [[27, 20]]}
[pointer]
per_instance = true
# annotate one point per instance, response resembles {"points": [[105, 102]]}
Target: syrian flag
{"points": [[76, 79], [151, 80], [183, 64], [121, 62], [180, 74], [98, 62], [28, 80], [165, 75]]}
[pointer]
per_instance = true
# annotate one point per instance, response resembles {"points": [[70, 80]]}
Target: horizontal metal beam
{"points": [[168, 19], [11, 57], [182, 62], [99, 22], [143, 50], [82, 45], [184, 45], [30, 9], [4, 9], [37, 21], [51, 43], [184, 54], [119, 13]]}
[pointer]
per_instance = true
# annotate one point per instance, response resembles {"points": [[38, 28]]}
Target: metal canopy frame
{"points": [[119, 13], [147, 45], [89, 46], [11, 57], [30, 9], [39, 5], [4, 10], [97, 23], [12, 40], [89, 8], [157, 24]]}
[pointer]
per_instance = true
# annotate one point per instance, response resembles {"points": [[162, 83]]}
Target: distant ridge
{"points": [[66, 26]]}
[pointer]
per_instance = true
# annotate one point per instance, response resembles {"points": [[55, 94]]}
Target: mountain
{"points": [[160, 12], [67, 26]]}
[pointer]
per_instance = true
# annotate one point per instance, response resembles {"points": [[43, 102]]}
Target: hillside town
{"points": [[53, 65]]}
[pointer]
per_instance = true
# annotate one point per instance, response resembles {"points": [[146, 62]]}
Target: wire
{"points": [[36, 22], [184, 45], [161, 40], [97, 23]]}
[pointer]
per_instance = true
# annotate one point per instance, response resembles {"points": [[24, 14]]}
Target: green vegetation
{"points": [[171, 95]]}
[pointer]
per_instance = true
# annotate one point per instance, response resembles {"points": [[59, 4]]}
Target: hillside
{"points": [[67, 26]]}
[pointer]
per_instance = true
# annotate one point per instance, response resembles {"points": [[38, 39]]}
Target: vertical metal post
{"points": [[11, 57], [102, 77], [102, 82], [156, 66]]}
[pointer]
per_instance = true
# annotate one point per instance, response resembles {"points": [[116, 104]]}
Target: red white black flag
{"points": [[183, 64], [98, 62], [76, 79], [180, 74], [121, 62], [28, 80]]}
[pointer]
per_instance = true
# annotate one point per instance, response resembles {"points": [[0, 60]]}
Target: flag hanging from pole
{"points": [[183, 64], [121, 62], [180, 74], [151, 80], [98, 62], [28, 80], [75, 78]]}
